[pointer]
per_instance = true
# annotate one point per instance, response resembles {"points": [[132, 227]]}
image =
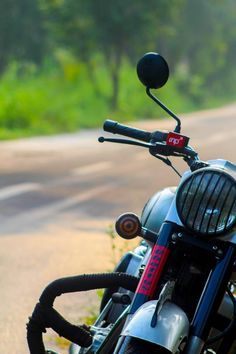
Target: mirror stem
{"points": [[155, 99]]}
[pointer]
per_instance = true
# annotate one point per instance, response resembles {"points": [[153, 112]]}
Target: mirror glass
{"points": [[153, 70]]}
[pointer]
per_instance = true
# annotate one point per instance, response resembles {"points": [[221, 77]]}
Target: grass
{"points": [[65, 96], [46, 103]]}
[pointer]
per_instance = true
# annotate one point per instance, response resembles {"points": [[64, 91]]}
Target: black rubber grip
{"points": [[159, 136], [86, 282], [116, 128], [45, 316]]}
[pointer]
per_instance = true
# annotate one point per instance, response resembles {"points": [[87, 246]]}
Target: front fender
{"points": [[171, 329]]}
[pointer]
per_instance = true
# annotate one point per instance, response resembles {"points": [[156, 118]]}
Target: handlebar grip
{"points": [[116, 128]]}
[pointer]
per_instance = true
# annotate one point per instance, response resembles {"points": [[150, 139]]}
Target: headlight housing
{"points": [[206, 202]]}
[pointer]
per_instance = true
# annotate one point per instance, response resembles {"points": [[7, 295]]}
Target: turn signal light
{"points": [[128, 226]]}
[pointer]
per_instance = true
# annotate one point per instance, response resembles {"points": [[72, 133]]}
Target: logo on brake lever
{"points": [[177, 140]]}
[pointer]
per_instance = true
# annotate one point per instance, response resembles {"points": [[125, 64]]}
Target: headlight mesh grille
{"points": [[206, 202]]}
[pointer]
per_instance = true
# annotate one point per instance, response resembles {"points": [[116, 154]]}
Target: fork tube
{"points": [[154, 268], [210, 299]]}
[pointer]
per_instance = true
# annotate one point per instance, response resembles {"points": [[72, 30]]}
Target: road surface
{"points": [[58, 196]]}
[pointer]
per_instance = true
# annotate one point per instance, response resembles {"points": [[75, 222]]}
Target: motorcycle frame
{"points": [[210, 299], [208, 304], [211, 296]]}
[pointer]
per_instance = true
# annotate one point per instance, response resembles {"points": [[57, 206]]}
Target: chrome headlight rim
{"points": [[215, 171]]}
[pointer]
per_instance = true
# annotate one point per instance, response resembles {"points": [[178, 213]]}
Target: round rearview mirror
{"points": [[153, 70]]}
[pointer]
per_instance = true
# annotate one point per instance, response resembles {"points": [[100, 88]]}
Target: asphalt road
{"points": [[58, 194], [44, 179]]}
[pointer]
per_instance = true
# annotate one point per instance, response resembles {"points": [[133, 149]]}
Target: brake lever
{"points": [[101, 139], [155, 151]]}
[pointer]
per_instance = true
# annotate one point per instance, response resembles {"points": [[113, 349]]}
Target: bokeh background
{"points": [[66, 64]]}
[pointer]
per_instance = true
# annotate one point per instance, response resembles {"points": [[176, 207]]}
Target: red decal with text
{"points": [[153, 271], [177, 140]]}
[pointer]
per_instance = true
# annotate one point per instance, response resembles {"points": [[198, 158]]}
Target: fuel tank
{"points": [[156, 209]]}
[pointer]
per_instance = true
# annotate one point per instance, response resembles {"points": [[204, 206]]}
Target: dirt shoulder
{"points": [[28, 263]]}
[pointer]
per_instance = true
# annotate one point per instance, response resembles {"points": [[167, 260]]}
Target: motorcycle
{"points": [[175, 293]]}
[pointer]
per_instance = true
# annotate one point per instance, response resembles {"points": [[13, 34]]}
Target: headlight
{"points": [[206, 202]]}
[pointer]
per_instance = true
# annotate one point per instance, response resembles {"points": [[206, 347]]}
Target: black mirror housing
{"points": [[153, 70]]}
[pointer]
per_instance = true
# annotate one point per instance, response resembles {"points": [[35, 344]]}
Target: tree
{"points": [[115, 28], [208, 32], [22, 34]]}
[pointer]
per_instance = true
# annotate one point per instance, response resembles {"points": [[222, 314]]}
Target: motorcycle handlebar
{"points": [[116, 128], [158, 138]]}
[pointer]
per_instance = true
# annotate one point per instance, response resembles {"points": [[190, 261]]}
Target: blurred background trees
{"points": [[66, 64], [22, 37]]}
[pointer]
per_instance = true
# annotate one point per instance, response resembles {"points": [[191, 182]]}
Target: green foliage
{"points": [[62, 97], [22, 33], [94, 46], [208, 34], [52, 101], [116, 28]]}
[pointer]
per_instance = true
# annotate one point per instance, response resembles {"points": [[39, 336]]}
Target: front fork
{"points": [[209, 302], [150, 277]]}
